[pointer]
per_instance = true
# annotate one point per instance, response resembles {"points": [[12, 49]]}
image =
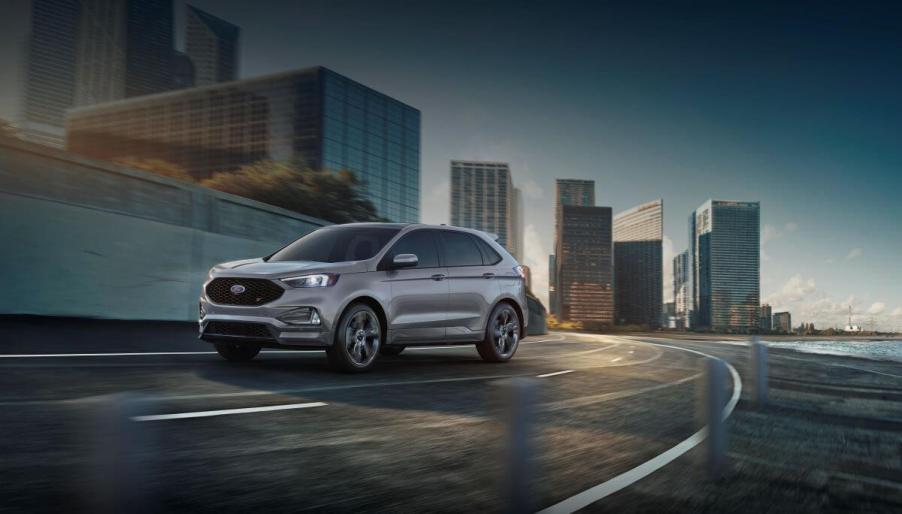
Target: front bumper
{"points": [[261, 325]]}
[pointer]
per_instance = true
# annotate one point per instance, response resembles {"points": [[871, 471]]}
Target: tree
{"points": [[322, 194], [156, 166]]}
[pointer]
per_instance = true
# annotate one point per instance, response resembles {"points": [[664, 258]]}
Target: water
{"points": [[875, 350]]}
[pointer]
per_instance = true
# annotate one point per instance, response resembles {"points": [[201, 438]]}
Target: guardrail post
{"points": [[711, 400], [115, 477], [518, 407], [758, 359]]}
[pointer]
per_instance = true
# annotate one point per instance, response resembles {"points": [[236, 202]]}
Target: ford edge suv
{"points": [[363, 289]]}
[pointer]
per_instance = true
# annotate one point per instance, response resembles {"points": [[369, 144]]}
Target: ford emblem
{"points": [[237, 289]]}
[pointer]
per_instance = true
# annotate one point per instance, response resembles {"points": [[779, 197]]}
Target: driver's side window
{"points": [[420, 243]]}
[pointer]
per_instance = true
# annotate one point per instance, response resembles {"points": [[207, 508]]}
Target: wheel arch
{"points": [[518, 309], [374, 304]]}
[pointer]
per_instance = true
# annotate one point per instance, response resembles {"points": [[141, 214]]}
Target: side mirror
{"points": [[404, 260]]}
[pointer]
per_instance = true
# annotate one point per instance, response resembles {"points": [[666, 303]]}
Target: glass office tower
{"points": [[211, 44], [726, 267], [315, 115], [567, 192], [585, 283], [638, 269], [681, 293]]}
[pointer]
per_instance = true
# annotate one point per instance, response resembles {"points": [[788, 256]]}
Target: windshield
{"points": [[337, 244]]}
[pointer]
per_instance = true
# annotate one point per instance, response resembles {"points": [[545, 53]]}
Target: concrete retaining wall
{"points": [[90, 239]]}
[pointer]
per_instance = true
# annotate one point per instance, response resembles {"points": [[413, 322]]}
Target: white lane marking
{"points": [[225, 412], [561, 338], [623, 480], [617, 359], [129, 354], [556, 373]]}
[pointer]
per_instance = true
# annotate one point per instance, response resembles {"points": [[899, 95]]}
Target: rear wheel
{"points": [[237, 352], [391, 350], [358, 337], [502, 335]]}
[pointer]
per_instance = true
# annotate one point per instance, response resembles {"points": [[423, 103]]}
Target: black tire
{"points": [[391, 350], [237, 352], [358, 338], [502, 334]]}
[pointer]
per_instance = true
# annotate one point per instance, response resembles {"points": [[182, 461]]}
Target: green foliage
{"points": [[290, 185]]}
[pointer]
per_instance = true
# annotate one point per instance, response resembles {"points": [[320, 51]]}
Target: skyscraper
{"points": [[483, 197], [765, 322], [68, 53], [324, 119], [567, 192], [585, 264], [212, 46], [782, 322], [638, 273], [681, 292], [725, 265]]}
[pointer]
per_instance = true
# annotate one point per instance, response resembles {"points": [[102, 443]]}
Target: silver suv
{"points": [[363, 289]]}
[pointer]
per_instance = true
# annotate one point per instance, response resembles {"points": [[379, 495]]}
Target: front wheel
{"points": [[237, 352], [502, 335], [357, 340]]}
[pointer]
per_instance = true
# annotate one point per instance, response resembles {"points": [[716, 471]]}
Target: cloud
{"points": [[536, 257], [436, 207], [897, 312], [668, 269], [770, 233], [854, 253], [531, 190], [877, 308], [796, 289]]}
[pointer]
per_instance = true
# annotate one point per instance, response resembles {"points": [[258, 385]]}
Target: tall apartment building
{"points": [[314, 115], [58, 54], [567, 192], [765, 318], [585, 264], [638, 267], [483, 197], [724, 248], [682, 297], [782, 322], [212, 45]]}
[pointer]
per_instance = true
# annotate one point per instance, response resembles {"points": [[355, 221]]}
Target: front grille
{"points": [[257, 291], [238, 329]]}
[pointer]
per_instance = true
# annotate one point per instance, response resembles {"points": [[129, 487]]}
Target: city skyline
{"points": [[637, 116]]}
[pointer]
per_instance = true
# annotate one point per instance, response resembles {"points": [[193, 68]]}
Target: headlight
{"points": [[318, 280]]}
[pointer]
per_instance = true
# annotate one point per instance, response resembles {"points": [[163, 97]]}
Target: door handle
{"points": [[488, 275], [438, 276]]}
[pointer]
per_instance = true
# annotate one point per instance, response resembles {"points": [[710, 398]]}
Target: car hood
{"points": [[259, 267]]}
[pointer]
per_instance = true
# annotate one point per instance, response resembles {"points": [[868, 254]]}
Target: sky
{"points": [[798, 107]]}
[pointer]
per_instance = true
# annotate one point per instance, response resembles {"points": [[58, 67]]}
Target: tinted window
{"points": [[337, 244], [489, 255], [460, 250], [420, 243]]}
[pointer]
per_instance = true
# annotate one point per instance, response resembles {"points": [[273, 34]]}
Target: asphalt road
{"points": [[122, 416], [423, 431]]}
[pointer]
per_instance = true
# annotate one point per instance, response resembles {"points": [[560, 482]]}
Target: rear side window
{"points": [[459, 249], [420, 243], [489, 255]]}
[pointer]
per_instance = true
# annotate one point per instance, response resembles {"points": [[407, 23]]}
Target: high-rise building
{"points": [[725, 265], [782, 322], [61, 54], [314, 115], [483, 197], [567, 192], [638, 268], [212, 45], [585, 265], [765, 322], [682, 297]]}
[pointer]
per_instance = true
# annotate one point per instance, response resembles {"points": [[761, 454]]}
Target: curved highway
{"points": [[420, 432]]}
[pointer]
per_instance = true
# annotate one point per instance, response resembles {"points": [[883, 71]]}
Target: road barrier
{"points": [[758, 372], [518, 411], [711, 400]]}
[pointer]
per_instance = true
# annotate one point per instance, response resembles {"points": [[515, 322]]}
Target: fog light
{"points": [[301, 316]]}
